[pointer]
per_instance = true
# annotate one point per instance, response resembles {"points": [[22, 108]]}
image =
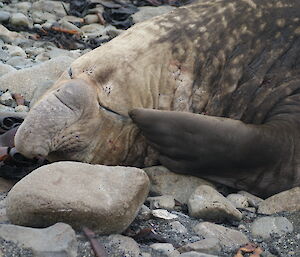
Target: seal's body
{"points": [[227, 70]]}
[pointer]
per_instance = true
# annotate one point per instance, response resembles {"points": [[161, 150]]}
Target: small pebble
{"points": [[21, 108]]}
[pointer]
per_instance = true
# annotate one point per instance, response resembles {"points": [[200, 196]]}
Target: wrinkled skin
{"points": [[223, 77]]}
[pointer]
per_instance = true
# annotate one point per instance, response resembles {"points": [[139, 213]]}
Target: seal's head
{"points": [[70, 123]]}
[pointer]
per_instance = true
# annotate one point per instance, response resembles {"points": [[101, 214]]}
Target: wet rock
{"points": [[163, 214], [162, 202], [166, 249], [4, 16], [253, 200], [21, 108], [40, 17], [6, 99], [227, 237], [196, 254], [124, 246], [177, 227], [208, 204], [50, 6], [208, 245], [239, 201], [285, 201], [57, 240], [165, 182], [5, 68], [26, 81], [265, 227], [8, 36], [79, 194], [19, 19], [148, 12]]}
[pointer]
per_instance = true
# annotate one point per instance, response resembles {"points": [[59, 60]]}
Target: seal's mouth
{"points": [[112, 112]]}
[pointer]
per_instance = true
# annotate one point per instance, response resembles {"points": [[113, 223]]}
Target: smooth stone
{"points": [[72, 19], [253, 200], [163, 214], [26, 81], [91, 18], [51, 7], [148, 12], [21, 108], [4, 16], [20, 62], [5, 68], [56, 52], [162, 202], [19, 19], [227, 237], [123, 246], [165, 182], [208, 204], [196, 254], [176, 226], [79, 194], [8, 36], [6, 99], [239, 201], [94, 28], [34, 51], [58, 240], [165, 248], [208, 245], [265, 227], [42, 57], [285, 201]]}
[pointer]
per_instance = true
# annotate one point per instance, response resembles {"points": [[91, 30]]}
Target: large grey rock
{"points": [[58, 240], [227, 237], [103, 198], [123, 246], [208, 204], [5, 68], [20, 62], [26, 81], [265, 227], [285, 201], [148, 12], [208, 245], [165, 182]]}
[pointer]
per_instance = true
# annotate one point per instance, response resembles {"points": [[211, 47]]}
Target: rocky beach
{"points": [[70, 209]]}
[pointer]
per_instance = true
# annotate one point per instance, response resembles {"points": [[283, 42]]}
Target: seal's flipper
{"points": [[191, 142]]}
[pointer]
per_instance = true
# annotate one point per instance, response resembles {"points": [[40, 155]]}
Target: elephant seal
{"points": [[222, 78]]}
